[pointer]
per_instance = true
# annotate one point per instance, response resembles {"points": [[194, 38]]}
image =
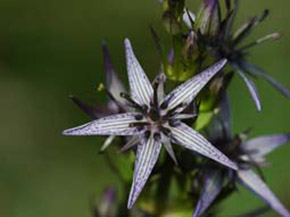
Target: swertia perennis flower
{"points": [[248, 155], [156, 119], [215, 33]]}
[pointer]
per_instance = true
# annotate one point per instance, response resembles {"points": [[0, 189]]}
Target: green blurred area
{"points": [[49, 49]]}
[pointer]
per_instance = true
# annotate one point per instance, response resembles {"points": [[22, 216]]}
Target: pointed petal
{"points": [[94, 113], [107, 142], [212, 186], [186, 92], [260, 146], [251, 87], [146, 158], [120, 124], [253, 182], [192, 140], [141, 88], [168, 147], [255, 70], [131, 143]]}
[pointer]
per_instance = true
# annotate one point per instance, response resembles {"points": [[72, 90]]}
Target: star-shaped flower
{"points": [[116, 104], [248, 155], [156, 119]]}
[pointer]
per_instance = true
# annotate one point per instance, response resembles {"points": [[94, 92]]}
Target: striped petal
{"points": [[146, 158], [187, 91], [253, 182], [192, 140], [141, 88], [120, 124], [260, 146], [212, 186], [251, 86]]}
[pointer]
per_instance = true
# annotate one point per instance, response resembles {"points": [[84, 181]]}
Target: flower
{"points": [[217, 35], [248, 155], [156, 119]]}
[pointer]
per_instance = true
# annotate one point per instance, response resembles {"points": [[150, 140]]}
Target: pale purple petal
{"points": [[120, 124], [212, 186], [253, 182], [146, 158], [260, 146], [186, 92], [141, 88], [113, 83], [251, 87], [192, 140]]}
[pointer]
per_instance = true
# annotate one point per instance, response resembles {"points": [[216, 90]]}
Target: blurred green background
{"points": [[49, 49]]}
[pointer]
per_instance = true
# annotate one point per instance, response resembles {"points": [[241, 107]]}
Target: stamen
{"points": [[273, 36]]}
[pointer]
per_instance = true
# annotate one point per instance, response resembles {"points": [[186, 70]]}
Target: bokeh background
{"points": [[49, 49]]}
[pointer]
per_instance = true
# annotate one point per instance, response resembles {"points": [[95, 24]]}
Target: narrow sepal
{"points": [[120, 124], [107, 143], [260, 146], [192, 140], [113, 83], [186, 92], [168, 147], [146, 158], [253, 182], [212, 186], [131, 143], [141, 88], [97, 112]]}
